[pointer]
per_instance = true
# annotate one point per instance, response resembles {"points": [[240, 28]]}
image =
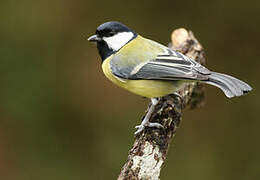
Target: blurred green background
{"points": [[61, 119]]}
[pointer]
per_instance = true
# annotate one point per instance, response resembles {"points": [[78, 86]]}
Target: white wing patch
{"points": [[137, 68], [118, 40]]}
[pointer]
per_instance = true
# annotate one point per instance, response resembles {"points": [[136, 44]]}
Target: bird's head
{"points": [[110, 37]]}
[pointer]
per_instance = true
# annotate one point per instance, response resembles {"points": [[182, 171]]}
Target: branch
{"points": [[149, 151]]}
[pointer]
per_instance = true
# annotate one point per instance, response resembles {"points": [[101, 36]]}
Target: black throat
{"points": [[103, 50]]}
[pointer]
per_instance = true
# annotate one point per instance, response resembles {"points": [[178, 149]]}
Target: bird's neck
{"points": [[103, 50]]}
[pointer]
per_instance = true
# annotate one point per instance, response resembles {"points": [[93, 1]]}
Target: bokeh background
{"points": [[61, 119]]}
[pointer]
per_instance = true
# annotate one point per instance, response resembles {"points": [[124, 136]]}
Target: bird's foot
{"points": [[145, 122], [141, 127]]}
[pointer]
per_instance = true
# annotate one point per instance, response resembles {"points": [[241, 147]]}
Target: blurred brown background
{"points": [[60, 119]]}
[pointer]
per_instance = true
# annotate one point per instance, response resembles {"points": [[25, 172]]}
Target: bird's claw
{"points": [[156, 125], [141, 127]]}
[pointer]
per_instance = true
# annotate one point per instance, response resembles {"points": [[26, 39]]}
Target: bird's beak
{"points": [[94, 38]]}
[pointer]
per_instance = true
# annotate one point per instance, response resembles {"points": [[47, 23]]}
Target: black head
{"points": [[111, 28], [112, 36]]}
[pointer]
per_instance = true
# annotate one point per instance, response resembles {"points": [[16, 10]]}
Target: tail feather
{"points": [[229, 85]]}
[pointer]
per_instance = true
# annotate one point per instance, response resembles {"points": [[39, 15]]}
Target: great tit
{"points": [[152, 70]]}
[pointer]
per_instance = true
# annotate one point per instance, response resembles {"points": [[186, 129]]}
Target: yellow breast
{"points": [[146, 88]]}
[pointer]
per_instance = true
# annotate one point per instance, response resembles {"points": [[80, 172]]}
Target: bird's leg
{"points": [[145, 122]]}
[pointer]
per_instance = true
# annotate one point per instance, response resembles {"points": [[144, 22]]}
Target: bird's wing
{"points": [[170, 65]]}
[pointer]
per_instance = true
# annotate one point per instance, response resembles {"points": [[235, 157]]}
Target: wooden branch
{"points": [[149, 151]]}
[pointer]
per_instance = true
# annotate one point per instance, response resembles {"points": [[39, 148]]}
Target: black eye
{"points": [[98, 32], [112, 33], [105, 33]]}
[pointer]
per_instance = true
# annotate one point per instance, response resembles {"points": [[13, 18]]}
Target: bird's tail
{"points": [[229, 85]]}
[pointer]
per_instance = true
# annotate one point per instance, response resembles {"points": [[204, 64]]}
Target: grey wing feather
{"points": [[119, 68], [170, 66], [175, 66]]}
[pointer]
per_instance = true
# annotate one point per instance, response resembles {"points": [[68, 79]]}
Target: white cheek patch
{"points": [[118, 40]]}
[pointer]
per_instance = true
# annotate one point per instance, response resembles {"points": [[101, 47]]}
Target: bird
{"points": [[152, 70]]}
